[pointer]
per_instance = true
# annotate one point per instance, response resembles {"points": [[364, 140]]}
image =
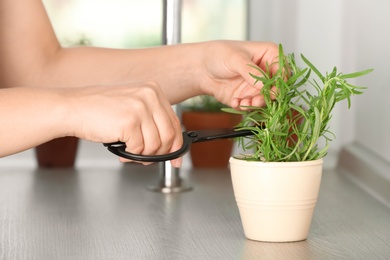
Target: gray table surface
{"points": [[108, 213]]}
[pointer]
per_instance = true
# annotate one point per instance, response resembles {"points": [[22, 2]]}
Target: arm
{"points": [[30, 55], [29, 117], [136, 114]]}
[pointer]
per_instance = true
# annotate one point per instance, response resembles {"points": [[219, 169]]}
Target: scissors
{"points": [[189, 137]]}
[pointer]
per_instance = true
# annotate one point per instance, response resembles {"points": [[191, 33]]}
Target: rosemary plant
{"points": [[289, 127]]}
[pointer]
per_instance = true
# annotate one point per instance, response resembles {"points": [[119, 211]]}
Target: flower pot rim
{"points": [[276, 164]]}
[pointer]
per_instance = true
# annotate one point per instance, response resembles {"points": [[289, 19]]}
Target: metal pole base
{"points": [[168, 190], [170, 180]]}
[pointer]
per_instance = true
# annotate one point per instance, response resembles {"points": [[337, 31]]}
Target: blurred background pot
{"points": [[57, 153], [205, 112], [213, 154], [276, 200]]}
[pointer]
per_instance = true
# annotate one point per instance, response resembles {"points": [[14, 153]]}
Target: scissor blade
{"points": [[223, 133]]}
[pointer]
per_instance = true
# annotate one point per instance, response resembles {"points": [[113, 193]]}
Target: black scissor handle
{"points": [[119, 148]]}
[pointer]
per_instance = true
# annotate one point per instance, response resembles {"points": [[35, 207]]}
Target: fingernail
{"points": [[177, 162]]}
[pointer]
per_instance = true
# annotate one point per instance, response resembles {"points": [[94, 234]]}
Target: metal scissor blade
{"points": [[222, 133]]}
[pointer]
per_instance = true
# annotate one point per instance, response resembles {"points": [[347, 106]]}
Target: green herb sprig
{"points": [[289, 127]]}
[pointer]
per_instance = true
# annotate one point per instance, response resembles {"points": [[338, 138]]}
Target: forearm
{"points": [[30, 55], [172, 67], [29, 116], [136, 114]]}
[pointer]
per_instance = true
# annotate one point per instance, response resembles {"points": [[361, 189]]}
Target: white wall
{"points": [[350, 34], [371, 34]]}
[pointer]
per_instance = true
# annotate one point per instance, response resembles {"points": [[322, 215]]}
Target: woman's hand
{"points": [[137, 114], [226, 69]]}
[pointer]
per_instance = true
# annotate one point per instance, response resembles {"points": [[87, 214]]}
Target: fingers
{"points": [[250, 101], [252, 69], [269, 58], [274, 92], [252, 59], [170, 133], [166, 136], [266, 61], [259, 57], [160, 129], [258, 101]]}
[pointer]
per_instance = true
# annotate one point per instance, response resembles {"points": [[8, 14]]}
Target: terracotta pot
{"points": [[213, 154], [57, 153], [276, 200]]}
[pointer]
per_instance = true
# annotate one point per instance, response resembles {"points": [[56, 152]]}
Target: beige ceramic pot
{"points": [[276, 200]]}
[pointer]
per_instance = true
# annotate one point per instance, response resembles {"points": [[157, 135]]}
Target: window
{"points": [[134, 23]]}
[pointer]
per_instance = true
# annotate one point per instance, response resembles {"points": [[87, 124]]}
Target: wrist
{"points": [[202, 56], [182, 71], [64, 113]]}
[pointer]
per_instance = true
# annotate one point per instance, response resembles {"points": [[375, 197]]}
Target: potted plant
{"points": [[204, 112], [57, 153], [276, 184]]}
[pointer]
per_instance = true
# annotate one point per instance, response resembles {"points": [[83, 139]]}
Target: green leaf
{"points": [[232, 111], [356, 74], [312, 67]]}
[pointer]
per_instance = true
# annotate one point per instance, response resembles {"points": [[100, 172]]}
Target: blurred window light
{"points": [[135, 23]]}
